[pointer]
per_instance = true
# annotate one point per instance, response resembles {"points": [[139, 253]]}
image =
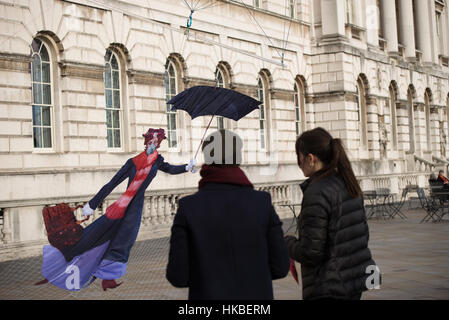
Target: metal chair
{"points": [[412, 188], [396, 206], [384, 197], [370, 204], [432, 207]]}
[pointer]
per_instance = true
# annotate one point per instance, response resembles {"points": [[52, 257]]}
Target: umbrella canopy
{"points": [[206, 100]]}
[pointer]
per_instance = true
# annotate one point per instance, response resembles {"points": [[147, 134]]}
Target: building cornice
{"points": [[15, 62], [81, 70]]}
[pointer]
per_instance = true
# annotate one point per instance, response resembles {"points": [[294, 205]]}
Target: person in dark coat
{"points": [[226, 239], [332, 241]]}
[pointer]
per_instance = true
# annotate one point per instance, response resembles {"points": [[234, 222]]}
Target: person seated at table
{"points": [[442, 178], [433, 180], [438, 186]]}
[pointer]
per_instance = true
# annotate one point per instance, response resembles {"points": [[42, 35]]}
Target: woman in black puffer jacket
{"points": [[332, 243]]}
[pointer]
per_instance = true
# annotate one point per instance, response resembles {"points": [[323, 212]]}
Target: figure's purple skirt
{"points": [[78, 273]]}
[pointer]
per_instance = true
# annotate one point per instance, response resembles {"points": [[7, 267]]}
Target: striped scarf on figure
{"points": [[143, 165]]}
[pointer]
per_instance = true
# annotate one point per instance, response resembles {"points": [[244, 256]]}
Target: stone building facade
{"points": [[81, 80]]}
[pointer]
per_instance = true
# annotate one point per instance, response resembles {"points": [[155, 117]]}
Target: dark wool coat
{"points": [[227, 243], [332, 244]]}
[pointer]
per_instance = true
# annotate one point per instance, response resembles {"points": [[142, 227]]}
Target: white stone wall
{"points": [[78, 36]]}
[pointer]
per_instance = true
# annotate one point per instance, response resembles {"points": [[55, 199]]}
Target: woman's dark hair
{"points": [[331, 152]]}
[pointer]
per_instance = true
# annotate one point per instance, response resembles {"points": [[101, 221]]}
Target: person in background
{"points": [[332, 240], [226, 240], [442, 178]]}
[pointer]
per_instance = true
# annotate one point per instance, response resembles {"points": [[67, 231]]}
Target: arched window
{"points": [[262, 114], [444, 137], [171, 89], [393, 115], [411, 115], [361, 110], [113, 99], [220, 84], [299, 102], [42, 94], [447, 114], [428, 120]]}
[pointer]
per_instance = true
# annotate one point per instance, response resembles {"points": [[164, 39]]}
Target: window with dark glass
{"points": [[393, 117], [297, 102], [170, 92], [112, 95], [220, 84], [262, 114], [361, 110], [42, 95]]}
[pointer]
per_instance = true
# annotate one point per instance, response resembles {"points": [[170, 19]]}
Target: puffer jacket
{"points": [[332, 244]]}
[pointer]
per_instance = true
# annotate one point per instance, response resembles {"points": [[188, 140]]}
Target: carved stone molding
{"points": [[282, 94], [15, 62], [73, 69], [145, 77]]}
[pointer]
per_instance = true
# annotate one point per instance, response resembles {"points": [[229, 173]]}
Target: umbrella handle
{"points": [[202, 139]]}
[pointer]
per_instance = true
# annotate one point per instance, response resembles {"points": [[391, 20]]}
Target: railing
{"points": [[440, 162], [423, 165], [158, 212], [394, 182]]}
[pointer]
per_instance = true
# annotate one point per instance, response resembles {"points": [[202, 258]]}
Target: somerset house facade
{"points": [[81, 80]]}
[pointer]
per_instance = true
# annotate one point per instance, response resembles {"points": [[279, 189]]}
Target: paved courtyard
{"points": [[413, 259]]}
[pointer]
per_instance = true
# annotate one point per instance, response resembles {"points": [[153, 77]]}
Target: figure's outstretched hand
{"points": [[191, 166], [87, 211]]}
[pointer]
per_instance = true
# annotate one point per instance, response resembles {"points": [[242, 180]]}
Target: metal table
{"points": [[292, 207], [378, 203]]}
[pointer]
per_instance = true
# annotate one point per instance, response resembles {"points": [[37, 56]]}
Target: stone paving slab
{"points": [[413, 259]]}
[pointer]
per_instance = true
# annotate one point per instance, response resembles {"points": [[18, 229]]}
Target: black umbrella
{"points": [[206, 100]]}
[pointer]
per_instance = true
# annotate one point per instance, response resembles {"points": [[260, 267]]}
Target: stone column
{"points": [[423, 25], [388, 15], [407, 28], [333, 18]]}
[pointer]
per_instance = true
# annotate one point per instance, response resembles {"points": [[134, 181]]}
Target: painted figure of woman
{"points": [[104, 248]]}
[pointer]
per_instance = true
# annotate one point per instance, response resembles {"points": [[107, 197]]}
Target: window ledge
{"points": [[115, 150], [43, 151]]}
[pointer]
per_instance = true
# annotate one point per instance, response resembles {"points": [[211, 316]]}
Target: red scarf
{"points": [[444, 179], [143, 165], [231, 174]]}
